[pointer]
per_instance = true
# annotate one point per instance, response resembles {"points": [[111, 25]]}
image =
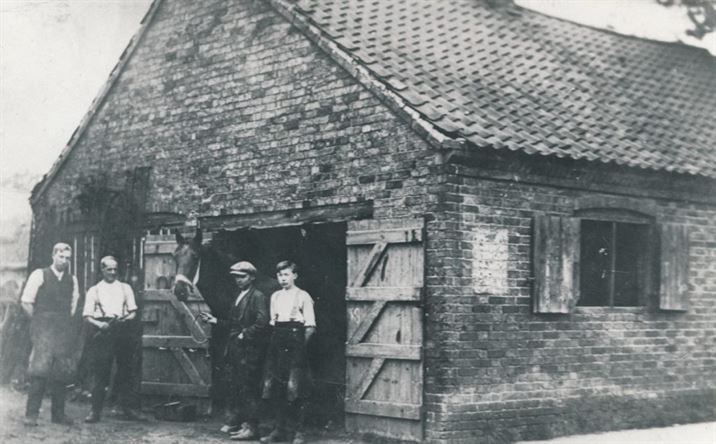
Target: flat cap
{"points": [[243, 267]]}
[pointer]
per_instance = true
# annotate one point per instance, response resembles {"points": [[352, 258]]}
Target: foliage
{"points": [[702, 14]]}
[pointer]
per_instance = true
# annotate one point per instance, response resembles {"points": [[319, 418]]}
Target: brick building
{"points": [[550, 188]]}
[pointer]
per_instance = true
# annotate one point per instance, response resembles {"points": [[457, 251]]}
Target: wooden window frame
{"points": [[556, 253], [644, 276]]}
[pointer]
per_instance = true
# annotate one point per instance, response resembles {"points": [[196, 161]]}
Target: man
{"points": [[50, 300], [247, 323], [108, 307]]}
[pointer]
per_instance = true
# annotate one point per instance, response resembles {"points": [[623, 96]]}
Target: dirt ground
{"points": [[114, 430]]}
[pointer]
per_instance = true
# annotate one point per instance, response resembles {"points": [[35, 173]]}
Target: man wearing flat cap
{"points": [[247, 322]]}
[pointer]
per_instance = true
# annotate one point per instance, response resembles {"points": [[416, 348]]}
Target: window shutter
{"points": [[674, 282], [556, 263]]}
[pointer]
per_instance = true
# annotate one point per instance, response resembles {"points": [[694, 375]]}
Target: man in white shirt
{"points": [[49, 300], [108, 307]]}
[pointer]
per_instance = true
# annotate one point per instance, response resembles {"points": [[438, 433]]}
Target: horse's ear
{"points": [[197, 237], [180, 239]]}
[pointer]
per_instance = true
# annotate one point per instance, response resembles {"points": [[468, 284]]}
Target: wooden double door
{"points": [[384, 333]]}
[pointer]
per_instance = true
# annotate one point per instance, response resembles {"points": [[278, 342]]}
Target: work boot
{"points": [[92, 418], [274, 436], [131, 415], [227, 428], [299, 438], [246, 433], [63, 421], [30, 421]]}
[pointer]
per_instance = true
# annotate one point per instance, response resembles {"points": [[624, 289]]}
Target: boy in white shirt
{"points": [[286, 378]]}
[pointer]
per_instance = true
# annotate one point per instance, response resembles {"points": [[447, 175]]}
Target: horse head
{"points": [[187, 256]]}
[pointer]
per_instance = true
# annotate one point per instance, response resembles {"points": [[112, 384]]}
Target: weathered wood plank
{"points": [[555, 261], [165, 295], [160, 247], [166, 388], [368, 264], [377, 408], [384, 294], [358, 391], [674, 261], [187, 366], [189, 320], [404, 352], [296, 216], [570, 256], [157, 341], [367, 322], [392, 236]]}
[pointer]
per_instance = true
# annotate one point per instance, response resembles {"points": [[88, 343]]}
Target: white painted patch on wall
{"points": [[490, 256]]}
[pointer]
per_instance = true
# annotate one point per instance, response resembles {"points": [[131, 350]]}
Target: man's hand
{"points": [[28, 308], [102, 325], [208, 318]]}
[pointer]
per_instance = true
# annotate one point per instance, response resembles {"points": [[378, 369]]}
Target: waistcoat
{"points": [[54, 296]]}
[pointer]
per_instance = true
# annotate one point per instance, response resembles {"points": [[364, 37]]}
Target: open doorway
{"points": [[319, 250]]}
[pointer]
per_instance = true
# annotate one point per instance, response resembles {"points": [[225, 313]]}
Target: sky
{"points": [[55, 55], [639, 18]]}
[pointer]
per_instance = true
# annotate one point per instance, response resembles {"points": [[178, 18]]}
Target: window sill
{"points": [[602, 310]]}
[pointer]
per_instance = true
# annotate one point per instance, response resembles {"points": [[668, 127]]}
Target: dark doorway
{"points": [[319, 250]]}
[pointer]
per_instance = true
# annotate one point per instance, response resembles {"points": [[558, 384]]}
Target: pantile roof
{"points": [[509, 78]]}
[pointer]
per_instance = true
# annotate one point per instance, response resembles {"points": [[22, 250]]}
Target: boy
{"points": [[247, 322], [286, 378]]}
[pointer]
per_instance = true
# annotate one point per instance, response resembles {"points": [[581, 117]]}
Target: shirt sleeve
{"points": [[309, 317], [75, 295], [272, 309], [129, 298], [90, 302], [34, 282]]}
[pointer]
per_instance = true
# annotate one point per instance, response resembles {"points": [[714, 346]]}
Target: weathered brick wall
{"points": [[495, 370], [238, 112]]}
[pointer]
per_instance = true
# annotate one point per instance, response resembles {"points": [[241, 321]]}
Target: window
{"points": [[608, 258], [613, 263]]}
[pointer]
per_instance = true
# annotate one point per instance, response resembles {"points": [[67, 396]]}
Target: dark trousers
{"points": [[290, 415], [38, 385], [106, 348], [245, 372], [220, 377], [287, 378]]}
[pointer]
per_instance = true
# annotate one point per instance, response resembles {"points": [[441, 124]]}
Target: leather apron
{"points": [[51, 330]]}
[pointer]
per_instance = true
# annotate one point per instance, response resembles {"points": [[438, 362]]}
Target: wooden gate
{"points": [[384, 368], [175, 360]]}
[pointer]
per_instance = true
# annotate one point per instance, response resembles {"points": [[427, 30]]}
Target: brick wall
{"points": [[237, 112], [495, 371]]}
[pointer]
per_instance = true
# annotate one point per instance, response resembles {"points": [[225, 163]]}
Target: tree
{"points": [[702, 14]]}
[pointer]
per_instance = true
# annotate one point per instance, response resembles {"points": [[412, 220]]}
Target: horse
{"points": [[202, 271]]}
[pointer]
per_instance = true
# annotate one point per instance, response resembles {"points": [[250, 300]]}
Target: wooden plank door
{"points": [[384, 367], [175, 360]]}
